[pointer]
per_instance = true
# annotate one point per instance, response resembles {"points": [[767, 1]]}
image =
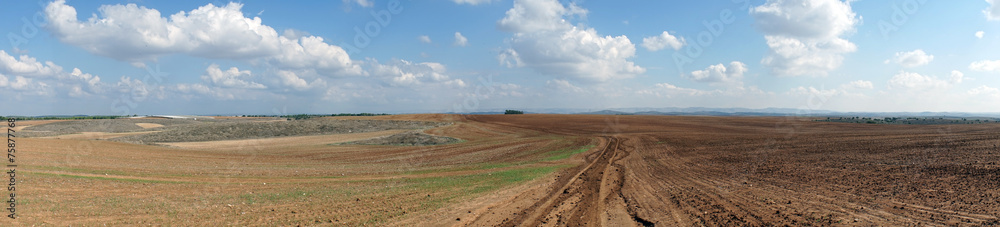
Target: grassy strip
{"points": [[565, 153], [106, 178], [484, 181], [450, 189]]}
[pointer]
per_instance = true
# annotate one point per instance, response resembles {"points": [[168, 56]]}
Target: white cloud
{"points": [[193, 88], [563, 85], [536, 16], [914, 81], [664, 40], [545, 41], [26, 65], [985, 91], [670, 89], [405, 73], [29, 73], [294, 34], [860, 84], [956, 77], [312, 53], [186, 91], [136, 89], [460, 40], [362, 3], [292, 80], [719, 74], [424, 39], [985, 66], [979, 34], [471, 2], [134, 34], [90, 79], [230, 78], [992, 12], [805, 36], [792, 57], [23, 84], [813, 92], [911, 59]]}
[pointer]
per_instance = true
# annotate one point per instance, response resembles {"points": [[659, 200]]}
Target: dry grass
{"points": [[282, 142], [80, 179], [148, 125]]}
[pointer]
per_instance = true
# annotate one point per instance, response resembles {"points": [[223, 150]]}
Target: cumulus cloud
{"points": [[312, 53], [89, 79], [979, 34], [992, 12], [720, 74], [405, 73], [460, 40], [472, 2], [545, 41], [956, 77], [805, 36], [23, 84], [915, 81], [985, 91], [134, 34], [563, 85], [814, 92], [231, 78], [26, 65], [911, 59], [985, 66], [424, 39], [290, 79], [362, 3], [668, 90], [25, 73], [664, 40], [860, 84]]}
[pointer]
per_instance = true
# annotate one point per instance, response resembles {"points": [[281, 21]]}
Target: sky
{"points": [[403, 56]]}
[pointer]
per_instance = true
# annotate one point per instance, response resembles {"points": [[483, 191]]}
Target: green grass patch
{"points": [[78, 170], [565, 153], [277, 196], [105, 178], [483, 182]]}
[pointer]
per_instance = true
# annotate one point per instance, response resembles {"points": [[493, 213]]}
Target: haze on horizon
{"points": [[403, 56]]}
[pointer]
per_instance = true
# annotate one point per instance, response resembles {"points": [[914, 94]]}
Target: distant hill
{"points": [[607, 112], [701, 111]]}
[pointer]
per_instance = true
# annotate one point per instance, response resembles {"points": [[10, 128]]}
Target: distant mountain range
{"points": [[705, 111]]}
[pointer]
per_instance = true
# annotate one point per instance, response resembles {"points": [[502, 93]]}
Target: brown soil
{"points": [[641, 171], [691, 171]]}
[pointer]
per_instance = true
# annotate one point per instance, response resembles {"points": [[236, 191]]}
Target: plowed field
{"points": [[710, 171], [528, 170]]}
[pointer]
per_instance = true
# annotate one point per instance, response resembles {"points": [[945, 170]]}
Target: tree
{"points": [[513, 112]]}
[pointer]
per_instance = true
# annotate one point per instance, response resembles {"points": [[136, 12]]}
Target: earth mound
{"points": [[256, 130], [412, 138]]}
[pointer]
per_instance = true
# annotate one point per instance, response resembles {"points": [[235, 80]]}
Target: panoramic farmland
{"points": [[507, 170], [501, 113]]}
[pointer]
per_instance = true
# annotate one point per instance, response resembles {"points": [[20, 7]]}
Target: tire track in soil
{"points": [[590, 197]]}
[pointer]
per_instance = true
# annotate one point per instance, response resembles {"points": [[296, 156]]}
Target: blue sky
{"points": [[402, 56]]}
